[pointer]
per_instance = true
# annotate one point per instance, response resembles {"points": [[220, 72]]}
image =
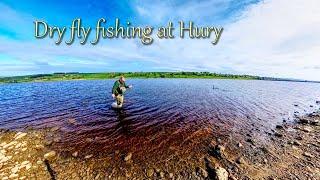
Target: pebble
{"points": [[75, 154], [39, 162], [251, 141], [170, 175], [150, 172], [28, 166], [25, 163], [220, 149], [88, 156], [279, 126], [277, 134], [128, 157], [50, 155], [97, 176], [221, 174], [48, 142], [240, 160], [57, 139], [297, 143], [299, 138], [89, 140], [54, 128], [203, 173], [38, 147], [307, 129], [162, 174], [240, 145], [12, 176], [265, 161], [72, 121], [308, 154], [15, 169]]}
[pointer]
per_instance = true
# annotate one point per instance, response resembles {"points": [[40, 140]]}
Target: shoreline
{"points": [[137, 75], [291, 151]]}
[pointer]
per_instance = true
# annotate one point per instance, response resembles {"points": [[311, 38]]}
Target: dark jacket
{"points": [[116, 90]]}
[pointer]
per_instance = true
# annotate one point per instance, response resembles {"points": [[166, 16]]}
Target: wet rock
{"points": [[25, 162], [240, 160], [201, 172], [7, 146], [161, 174], [20, 135], [39, 162], [307, 129], [265, 161], [97, 176], [251, 141], [75, 154], [150, 172], [28, 166], [277, 134], [57, 139], [39, 146], [303, 120], [89, 140], [220, 149], [315, 122], [13, 176], [50, 155], [88, 156], [48, 142], [297, 143], [72, 121], [299, 138], [128, 157], [56, 128], [15, 169], [171, 175], [221, 174], [279, 126], [308, 154]]}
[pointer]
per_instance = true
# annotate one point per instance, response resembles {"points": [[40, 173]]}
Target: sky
{"points": [[274, 38]]}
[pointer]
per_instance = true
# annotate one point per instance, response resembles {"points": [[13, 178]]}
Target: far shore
{"points": [[135, 75]]}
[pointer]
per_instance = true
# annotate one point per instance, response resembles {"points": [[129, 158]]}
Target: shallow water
{"points": [[158, 113]]}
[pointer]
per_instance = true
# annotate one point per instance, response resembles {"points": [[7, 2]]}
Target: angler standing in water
{"points": [[118, 91]]}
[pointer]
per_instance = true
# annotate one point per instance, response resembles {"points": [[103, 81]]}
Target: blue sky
{"points": [[267, 38]]}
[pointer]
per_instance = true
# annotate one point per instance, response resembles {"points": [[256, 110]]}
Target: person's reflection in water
{"points": [[123, 125]]}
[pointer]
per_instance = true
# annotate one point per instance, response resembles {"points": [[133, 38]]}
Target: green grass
{"points": [[110, 75]]}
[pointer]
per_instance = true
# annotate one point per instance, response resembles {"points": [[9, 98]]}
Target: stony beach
{"points": [[290, 151]]}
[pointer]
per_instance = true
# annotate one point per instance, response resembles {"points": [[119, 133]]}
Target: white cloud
{"points": [[272, 38]]}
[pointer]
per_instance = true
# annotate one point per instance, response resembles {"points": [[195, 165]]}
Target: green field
{"points": [[110, 75]]}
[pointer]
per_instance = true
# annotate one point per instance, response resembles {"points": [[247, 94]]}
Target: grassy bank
{"points": [[110, 75]]}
